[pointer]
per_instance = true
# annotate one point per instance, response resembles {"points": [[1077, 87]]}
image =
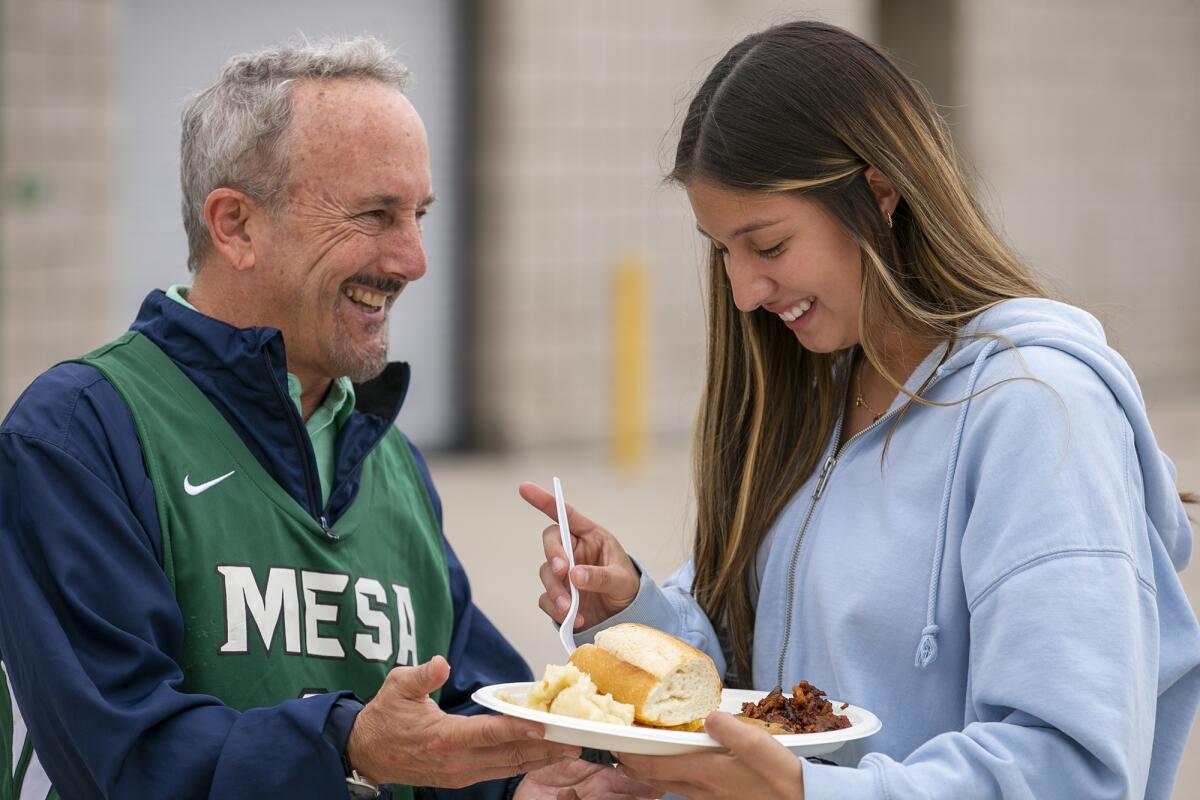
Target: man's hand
{"points": [[580, 780], [402, 737], [756, 767]]}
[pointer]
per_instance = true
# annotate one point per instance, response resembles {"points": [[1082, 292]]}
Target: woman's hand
{"points": [[605, 576], [756, 766]]}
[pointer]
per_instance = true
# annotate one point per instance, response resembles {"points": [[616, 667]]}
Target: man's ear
{"points": [[227, 212], [885, 192]]}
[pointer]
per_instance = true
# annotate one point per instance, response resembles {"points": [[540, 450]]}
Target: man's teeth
{"points": [[366, 298], [796, 312]]}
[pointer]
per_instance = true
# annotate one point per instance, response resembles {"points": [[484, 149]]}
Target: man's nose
{"points": [[404, 256], [750, 287]]}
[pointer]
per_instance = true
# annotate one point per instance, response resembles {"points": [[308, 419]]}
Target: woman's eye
{"points": [[771, 252]]}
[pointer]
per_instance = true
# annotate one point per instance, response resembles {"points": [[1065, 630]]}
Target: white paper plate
{"points": [[655, 742]]}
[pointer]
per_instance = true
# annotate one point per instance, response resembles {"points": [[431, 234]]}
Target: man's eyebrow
{"points": [[395, 200], [749, 227]]}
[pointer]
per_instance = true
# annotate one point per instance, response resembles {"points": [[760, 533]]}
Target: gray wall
{"points": [[58, 131], [1083, 118]]}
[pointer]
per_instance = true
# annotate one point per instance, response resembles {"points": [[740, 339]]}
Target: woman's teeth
{"points": [[366, 298], [797, 311]]}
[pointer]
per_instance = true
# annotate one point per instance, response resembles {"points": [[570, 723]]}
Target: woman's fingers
{"points": [[558, 613], [552, 544], [543, 501], [738, 737], [617, 583], [556, 585], [551, 608]]}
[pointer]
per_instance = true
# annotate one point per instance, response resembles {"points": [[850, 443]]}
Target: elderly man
{"points": [[213, 540]]}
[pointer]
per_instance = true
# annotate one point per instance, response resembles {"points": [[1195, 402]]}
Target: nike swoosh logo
{"points": [[204, 487]]}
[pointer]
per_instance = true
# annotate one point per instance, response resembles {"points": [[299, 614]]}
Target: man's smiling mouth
{"points": [[365, 297]]}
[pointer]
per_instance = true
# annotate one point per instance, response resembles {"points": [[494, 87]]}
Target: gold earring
{"points": [[888, 216]]}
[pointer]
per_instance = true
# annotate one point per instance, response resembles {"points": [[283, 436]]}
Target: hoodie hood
{"points": [[1037, 322]]}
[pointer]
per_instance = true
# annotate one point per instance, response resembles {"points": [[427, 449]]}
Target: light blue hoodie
{"points": [[1001, 592]]}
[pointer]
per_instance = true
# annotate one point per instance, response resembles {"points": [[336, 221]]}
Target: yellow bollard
{"points": [[630, 354]]}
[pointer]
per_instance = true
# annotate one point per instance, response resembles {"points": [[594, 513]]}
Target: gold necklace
{"points": [[859, 401]]}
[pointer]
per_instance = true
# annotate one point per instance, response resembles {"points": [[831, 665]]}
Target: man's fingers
{"points": [[487, 731], [658, 786], [627, 768], [523, 756], [417, 682], [495, 773], [618, 782]]}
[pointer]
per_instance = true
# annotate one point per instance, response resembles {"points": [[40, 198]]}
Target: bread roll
{"points": [[669, 683]]}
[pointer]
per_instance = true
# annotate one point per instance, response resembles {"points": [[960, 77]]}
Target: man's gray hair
{"points": [[234, 132]]}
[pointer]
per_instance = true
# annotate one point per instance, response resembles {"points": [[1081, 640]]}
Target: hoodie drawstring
{"points": [[927, 650]]}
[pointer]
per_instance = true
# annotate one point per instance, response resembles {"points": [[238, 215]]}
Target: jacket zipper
{"points": [[822, 479], [333, 492], [310, 483]]}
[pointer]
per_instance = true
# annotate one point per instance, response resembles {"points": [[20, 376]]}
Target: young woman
{"points": [[921, 485]]}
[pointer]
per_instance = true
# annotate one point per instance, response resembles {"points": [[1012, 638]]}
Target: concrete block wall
{"points": [[578, 117], [1083, 117], [59, 65]]}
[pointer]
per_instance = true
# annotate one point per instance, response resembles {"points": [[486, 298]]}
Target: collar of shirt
{"points": [[339, 400]]}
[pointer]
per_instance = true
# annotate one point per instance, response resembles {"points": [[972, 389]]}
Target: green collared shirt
{"points": [[324, 424]]}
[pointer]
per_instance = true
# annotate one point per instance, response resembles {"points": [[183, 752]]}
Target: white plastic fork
{"points": [[566, 630]]}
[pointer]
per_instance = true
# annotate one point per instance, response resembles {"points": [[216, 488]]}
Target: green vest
{"points": [[273, 607]]}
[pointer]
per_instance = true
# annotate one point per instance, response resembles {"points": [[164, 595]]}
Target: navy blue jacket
{"points": [[90, 631]]}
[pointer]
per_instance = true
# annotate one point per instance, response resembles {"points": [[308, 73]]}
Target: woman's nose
{"points": [[750, 287]]}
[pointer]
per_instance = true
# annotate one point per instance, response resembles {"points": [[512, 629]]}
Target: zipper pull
{"points": [[329, 534], [825, 470]]}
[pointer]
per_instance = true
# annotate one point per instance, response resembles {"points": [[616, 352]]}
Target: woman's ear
{"points": [[227, 212], [885, 193]]}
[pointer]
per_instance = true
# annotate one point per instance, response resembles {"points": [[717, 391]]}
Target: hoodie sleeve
{"points": [[1058, 569], [90, 633]]}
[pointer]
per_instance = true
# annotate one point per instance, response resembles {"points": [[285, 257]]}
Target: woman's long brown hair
{"points": [[806, 107]]}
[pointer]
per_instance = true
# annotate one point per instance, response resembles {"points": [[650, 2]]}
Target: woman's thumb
{"points": [[616, 582]]}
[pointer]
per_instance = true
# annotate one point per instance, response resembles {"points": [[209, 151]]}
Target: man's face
{"points": [[333, 259]]}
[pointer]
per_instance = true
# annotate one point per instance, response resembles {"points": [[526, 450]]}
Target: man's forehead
{"points": [[351, 113], [361, 129]]}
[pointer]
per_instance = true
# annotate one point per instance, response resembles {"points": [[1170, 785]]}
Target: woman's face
{"points": [[787, 255]]}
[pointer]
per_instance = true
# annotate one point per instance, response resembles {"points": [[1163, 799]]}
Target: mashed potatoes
{"points": [[567, 691]]}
